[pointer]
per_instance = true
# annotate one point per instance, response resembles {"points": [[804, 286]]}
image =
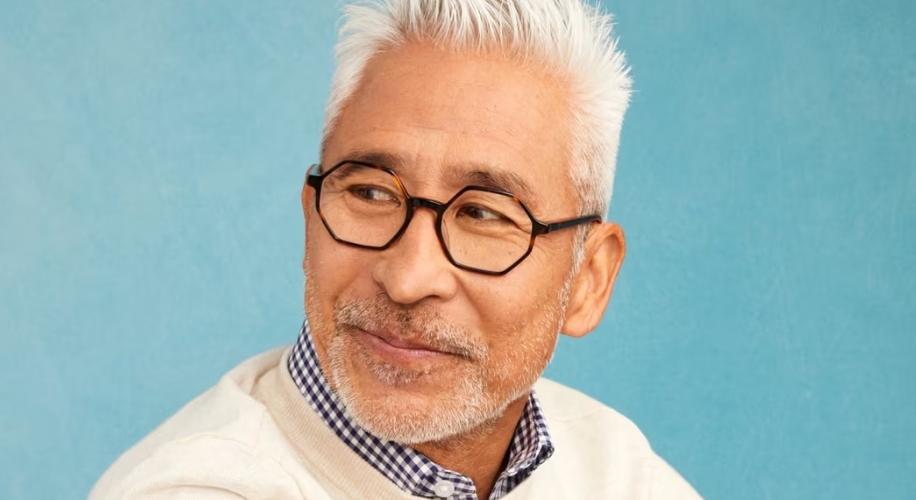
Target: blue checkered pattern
{"points": [[409, 470]]}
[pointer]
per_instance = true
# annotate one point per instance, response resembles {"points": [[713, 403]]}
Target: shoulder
{"points": [[565, 407], [216, 443], [577, 420], [604, 450]]}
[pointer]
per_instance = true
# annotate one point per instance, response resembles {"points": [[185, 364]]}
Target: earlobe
{"points": [[605, 248]]}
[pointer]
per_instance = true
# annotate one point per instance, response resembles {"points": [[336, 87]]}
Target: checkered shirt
{"points": [[408, 469]]}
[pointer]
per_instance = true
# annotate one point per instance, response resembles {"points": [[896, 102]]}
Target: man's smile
{"points": [[394, 349]]}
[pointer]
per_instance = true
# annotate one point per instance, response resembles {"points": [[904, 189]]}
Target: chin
{"points": [[407, 405]]}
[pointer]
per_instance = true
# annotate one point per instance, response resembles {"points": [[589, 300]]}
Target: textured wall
{"points": [[761, 333]]}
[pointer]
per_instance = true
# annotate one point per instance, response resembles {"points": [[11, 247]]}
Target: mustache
{"points": [[417, 324]]}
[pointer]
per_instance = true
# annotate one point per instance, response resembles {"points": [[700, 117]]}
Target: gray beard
{"points": [[465, 406]]}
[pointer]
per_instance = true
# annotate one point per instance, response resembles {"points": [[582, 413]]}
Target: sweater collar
{"points": [[410, 470]]}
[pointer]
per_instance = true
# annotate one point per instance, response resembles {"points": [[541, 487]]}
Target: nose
{"points": [[415, 267]]}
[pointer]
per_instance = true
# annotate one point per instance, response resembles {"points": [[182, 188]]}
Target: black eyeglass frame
{"points": [[315, 180]]}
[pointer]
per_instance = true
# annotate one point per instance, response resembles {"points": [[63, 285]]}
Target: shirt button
{"points": [[444, 489]]}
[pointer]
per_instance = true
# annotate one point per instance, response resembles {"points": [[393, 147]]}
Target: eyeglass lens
{"points": [[480, 229]]}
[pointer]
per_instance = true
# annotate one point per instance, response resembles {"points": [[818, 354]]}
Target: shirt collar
{"points": [[410, 470]]}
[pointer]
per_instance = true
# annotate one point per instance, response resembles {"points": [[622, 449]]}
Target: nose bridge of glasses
{"points": [[437, 209], [433, 205]]}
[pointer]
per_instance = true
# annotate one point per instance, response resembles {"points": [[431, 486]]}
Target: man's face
{"points": [[418, 349]]}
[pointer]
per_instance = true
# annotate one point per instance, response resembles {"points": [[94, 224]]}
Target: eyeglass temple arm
{"points": [[565, 224], [313, 176]]}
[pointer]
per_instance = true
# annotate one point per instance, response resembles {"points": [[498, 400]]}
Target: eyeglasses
{"points": [[481, 229]]}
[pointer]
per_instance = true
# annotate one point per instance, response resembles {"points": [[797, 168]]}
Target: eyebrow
{"points": [[379, 158], [492, 177], [457, 175]]}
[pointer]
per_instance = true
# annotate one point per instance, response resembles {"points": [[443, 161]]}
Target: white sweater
{"points": [[254, 436]]}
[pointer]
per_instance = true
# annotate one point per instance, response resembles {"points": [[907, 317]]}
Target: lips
{"points": [[400, 343]]}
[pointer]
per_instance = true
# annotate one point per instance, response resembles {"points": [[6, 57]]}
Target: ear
{"points": [[605, 248], [307, 198]]}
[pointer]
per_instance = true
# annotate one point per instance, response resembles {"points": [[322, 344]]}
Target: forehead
{"points": [[444, 120]]}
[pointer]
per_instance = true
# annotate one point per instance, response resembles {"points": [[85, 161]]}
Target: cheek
{"points": [[512, 306], [520, 326], [332, 270], [521, 317], [536, 282]]}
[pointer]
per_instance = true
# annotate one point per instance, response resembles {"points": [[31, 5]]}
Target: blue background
{"points": [[761, 332]]}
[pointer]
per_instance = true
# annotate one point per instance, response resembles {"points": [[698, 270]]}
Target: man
{"points": [[434, 290]]}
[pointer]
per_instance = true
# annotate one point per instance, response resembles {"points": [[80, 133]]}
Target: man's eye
{"points": [[372, 193], [482, 214]]}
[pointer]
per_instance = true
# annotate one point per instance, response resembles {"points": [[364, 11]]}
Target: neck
{"points": [[480, 453]]}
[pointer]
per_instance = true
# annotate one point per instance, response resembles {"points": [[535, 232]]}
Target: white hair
{"points": [[568, 38]]}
